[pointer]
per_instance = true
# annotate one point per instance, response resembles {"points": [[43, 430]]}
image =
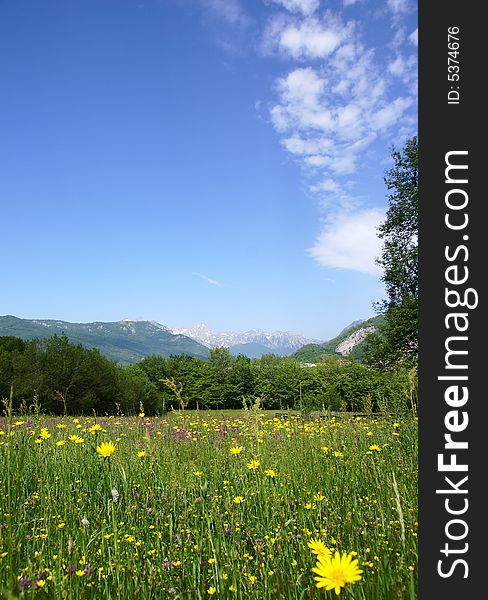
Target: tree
{"points": [[397, 339]]}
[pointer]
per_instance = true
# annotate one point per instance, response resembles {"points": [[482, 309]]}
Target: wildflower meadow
{"points": [[242, 504]]}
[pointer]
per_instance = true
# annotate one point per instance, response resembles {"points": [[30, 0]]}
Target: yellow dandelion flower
{"points": [[106, 449], [198, 473], [60, 443], [76, 439], [270, 473], [334, 573], [319, 497], [45, 435], [238, 500], [338, 454], [375, 447], [253, 465], [141, 454], [318, 547], [236, 450]]}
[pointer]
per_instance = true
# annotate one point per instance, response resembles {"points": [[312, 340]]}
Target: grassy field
{"points": [[198, 505]]}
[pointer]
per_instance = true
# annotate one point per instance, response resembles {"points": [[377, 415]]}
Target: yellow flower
{"points": [[141, 454], [238, 500], [253, 465], [76, 439], [318, 547], [270, 473], [232, 588], [236, 450], [60, 443], [375, 447], [211, 591], [106, 449], [198, 473], [337, 571], [338, 454], [40, 583], [319, 497], [45, 435]]}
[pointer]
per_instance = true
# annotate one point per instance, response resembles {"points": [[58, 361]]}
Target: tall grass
{"points": [[173, 513]]}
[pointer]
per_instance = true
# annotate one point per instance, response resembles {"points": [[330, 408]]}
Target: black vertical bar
{"points": [[451, 119]]}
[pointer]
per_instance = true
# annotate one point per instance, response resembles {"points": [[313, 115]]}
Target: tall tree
{"points": [[397, 339]]}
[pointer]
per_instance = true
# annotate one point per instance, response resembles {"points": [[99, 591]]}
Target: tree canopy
{"points": [[397, 339]]}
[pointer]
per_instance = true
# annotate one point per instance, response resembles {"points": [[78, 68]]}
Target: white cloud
{"points": [[339, 98], [230, 11], [306, 7], [306, 38], [391, 113], [399, 6], [208, 279], [350, 241], [414, 37]]}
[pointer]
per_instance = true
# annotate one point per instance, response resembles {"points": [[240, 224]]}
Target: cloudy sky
{"points": [[187, 161]]}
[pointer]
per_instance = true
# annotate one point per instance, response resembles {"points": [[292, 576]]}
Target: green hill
{"points": [[123, 341], [350, 342]]}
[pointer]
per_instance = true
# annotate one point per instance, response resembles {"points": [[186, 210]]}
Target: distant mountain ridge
{"points": [[253, 343], [350, 342], [129, 341], [123, 341]]}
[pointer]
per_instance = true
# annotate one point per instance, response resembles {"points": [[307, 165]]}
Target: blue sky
{"points": [[187, 161]]}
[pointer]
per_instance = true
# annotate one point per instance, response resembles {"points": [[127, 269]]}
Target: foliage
{"points": [[397, 339], [69, 379]]}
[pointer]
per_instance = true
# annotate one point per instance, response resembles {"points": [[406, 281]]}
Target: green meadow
{"points": [[236, 504]]}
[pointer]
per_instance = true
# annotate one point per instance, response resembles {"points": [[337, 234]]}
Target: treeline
{"points": [[56, 377]]}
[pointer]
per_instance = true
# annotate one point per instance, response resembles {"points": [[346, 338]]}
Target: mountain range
{"points": [[129, 341], [253, 343], [123, 341]]}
